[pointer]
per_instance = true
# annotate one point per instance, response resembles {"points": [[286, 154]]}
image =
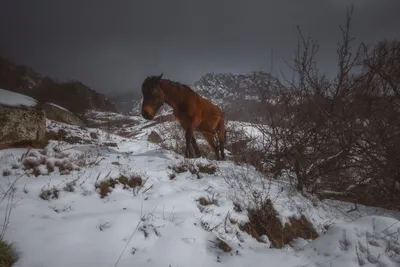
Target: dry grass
{"points": [[62, 135], [223, 245], [131, 182], [33, 161], [184, 166], [105, 187], [209, 200], [52, 193], [208, 168], [8, 256], [265, 221], [204, 202]]}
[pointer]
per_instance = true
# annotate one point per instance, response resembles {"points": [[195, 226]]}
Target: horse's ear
{"points": [[159, 77]]}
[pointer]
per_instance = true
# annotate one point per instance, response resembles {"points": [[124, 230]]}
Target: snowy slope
{"points": [[9, 98], [162, 222]]}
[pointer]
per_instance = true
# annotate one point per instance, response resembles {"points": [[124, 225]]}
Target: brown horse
{"points": [[193, 112]]}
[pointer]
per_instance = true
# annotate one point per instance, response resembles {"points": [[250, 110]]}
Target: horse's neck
{"points": [[171, 98]]}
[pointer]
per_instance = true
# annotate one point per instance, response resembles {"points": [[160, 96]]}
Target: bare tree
{"points": [[340, 133]]}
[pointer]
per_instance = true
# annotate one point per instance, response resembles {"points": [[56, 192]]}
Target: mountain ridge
{"points": [[72, 95]]}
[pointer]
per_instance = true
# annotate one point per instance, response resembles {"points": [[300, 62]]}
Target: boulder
{"points": [[22, 126], [60, 114], [21, 122]]}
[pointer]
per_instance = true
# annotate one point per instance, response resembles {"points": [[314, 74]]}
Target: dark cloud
{"points": [[114, 45]]}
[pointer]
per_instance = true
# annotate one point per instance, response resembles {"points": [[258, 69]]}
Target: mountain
{"points": [[238, 95], [72, 95], [123, 100]]}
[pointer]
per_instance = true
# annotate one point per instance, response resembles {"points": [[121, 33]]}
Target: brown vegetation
{"points": [[264, 221], [184, 166], [105, 187], [223, 245]]}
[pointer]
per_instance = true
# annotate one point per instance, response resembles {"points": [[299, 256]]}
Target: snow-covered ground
{"points": [[9, 98], [161, 221]]}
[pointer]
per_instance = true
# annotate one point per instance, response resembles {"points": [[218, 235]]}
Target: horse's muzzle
{"points": [[147, 116]]}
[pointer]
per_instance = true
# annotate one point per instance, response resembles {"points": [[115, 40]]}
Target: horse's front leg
{"points": [[188, 136]]}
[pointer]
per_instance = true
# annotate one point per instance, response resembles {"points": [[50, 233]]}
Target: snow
{"points": [[57, 106], [9, 98], [367, 241], [161, 223]]}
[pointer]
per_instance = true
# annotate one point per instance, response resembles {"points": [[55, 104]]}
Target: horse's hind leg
{"points": [[196, 148], [210, 138], [221, 135]]}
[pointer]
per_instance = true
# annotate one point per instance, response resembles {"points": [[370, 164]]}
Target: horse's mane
{"points": [[148, 82], [179, 85]]}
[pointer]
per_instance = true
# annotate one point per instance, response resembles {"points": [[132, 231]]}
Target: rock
{"points": [[22, 126], [154, 137], [60, 114], [110, 144], [94, 135]]}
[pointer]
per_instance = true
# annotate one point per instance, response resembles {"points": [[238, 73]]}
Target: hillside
{"points": [[123, 100], [102, 198], [72, 95], [237, 94]]}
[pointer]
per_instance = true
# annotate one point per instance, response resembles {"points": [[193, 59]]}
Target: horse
{"points": [[193, 112]]}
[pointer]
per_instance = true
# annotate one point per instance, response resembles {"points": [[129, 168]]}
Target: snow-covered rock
{"points": [[11, 99], [21, 123], [58, 113]]}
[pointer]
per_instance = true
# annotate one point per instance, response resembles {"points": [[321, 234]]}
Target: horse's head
{"points": [[153, 97]]}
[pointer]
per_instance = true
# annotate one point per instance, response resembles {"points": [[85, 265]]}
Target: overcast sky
{"points": [[114, 45]]}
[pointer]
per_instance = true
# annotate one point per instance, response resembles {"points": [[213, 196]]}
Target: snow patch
{"points": [[9, 98], [57, 106]]}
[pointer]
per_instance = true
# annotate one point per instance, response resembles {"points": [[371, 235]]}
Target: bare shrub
{"points": [[341, 133]]}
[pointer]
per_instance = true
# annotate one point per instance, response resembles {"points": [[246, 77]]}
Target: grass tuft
{"points": [[105, 187], [265, 221], [8, 255]]}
